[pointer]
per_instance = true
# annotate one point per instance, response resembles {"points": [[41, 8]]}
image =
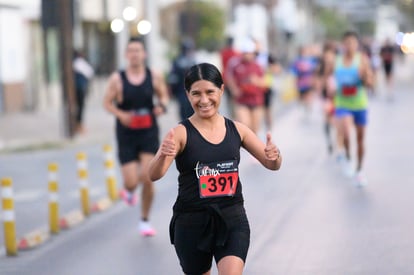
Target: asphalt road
{"points": [[306, 218]]}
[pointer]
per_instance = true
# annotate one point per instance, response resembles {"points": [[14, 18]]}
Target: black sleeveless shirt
{"points": [[137, 98], [198, 150]]}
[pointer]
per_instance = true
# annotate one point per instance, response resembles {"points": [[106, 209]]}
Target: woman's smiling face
{"points": [[205, 98]]}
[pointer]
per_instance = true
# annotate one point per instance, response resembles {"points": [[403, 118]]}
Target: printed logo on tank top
{"points": [[217, 179]]}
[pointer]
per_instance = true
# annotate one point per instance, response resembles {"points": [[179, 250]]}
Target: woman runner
{"points": [[209, 218]]}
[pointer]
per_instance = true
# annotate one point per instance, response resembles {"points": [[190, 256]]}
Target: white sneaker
{"points": [[145, 229], [360, 179], [340, 158], [347, 169]]}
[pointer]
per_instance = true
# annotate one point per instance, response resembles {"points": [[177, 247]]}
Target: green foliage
{"points": [[334, 23], [406, 7], [211, 25]]}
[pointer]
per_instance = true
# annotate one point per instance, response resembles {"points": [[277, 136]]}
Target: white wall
{"points": [[249, 21], [13, 67]]}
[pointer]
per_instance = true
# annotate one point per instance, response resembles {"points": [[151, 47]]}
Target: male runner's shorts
{"points": [[189, 228], [268, 97], [360, 116], [130, 146], [387, 68]]}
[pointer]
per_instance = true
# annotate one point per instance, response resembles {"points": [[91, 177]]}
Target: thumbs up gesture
{"points": [[271, 151], [168, 147]]}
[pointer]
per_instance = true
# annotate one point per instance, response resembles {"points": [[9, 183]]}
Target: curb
{"points": [[102, 205], [71, 219], [33, 239]]}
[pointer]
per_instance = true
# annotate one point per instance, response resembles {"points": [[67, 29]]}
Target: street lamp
{"points": [[117, 25], [129, 13], [144, 27]]}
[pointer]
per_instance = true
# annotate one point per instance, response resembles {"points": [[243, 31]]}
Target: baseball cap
{"points": [[247, 46]]}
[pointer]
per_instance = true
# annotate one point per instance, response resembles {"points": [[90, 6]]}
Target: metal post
{"points": [[110, 173], [83, 182], [9, 222], [53, 199]]}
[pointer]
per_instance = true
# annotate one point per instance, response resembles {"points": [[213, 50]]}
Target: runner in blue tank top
{"points": [[209, 218], [353, 74]]}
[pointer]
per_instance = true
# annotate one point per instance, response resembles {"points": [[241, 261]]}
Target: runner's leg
{"points": [[243, 115], [256, 118], [148, 185], [360, 133], [230, 265], [130, 175]]}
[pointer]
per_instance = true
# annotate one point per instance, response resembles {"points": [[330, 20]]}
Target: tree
{"points": [[406, 7], [333, 22], [211, 25], [203, 21]]}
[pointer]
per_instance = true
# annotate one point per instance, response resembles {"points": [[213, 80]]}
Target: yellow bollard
{"points": [[53, 199], [110, 173], [83, 182], [8, 217]]}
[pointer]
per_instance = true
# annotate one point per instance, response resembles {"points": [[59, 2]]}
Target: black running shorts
{"points": [[189, 228], [131, 145]]}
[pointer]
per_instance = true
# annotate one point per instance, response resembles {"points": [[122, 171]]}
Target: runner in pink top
{"points": [[245, 78]]}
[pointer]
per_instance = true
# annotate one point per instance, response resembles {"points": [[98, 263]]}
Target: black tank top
{"points": [[198, 150], [137, 98]]}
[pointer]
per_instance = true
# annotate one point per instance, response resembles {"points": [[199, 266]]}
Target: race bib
{"points": [[141, 119], [217, 179], [349, 90]]}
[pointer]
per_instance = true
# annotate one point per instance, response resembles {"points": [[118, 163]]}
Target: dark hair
{"points": [[350, 34], [271, 59], [329, 46], [203, 71], [136, 39]]}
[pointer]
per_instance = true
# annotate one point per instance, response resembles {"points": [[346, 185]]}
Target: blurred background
{"points": [[34, 32], [308, 220]]}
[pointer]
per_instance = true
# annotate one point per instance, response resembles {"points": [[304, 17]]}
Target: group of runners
{"points": [[209, 219], [344, 76]]}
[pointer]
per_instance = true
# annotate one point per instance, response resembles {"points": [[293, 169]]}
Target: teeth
{"points": [[205, 107]]}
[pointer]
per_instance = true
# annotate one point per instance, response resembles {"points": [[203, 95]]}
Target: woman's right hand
{"points": [[168, 145]]}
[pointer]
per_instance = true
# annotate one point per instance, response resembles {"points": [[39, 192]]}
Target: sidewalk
{"points": [[35, 130]]}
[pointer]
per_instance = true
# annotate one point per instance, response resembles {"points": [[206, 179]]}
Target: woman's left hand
{"points": [[272, 153]]}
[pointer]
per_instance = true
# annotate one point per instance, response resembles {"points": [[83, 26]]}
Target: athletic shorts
{"points": [[268, 97], [304, 91], [360, 117], [131, 145], [387, 68], [189, 229]]}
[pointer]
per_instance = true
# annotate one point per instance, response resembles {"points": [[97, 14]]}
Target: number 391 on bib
{"points": [[218, 179]]}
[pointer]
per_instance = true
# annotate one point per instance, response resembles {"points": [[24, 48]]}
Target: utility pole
{"points": [[65, 26]]}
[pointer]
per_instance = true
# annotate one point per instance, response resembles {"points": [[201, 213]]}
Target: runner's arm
{"points": [[161, 91], [268, 154], [230, 79], [366, 73], [172, 144], [112, 94]]}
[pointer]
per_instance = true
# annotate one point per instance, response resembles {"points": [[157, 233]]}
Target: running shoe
{"points": [[347, 169], [145, 229], [360, 179], [340, 158], [129, 198]]}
